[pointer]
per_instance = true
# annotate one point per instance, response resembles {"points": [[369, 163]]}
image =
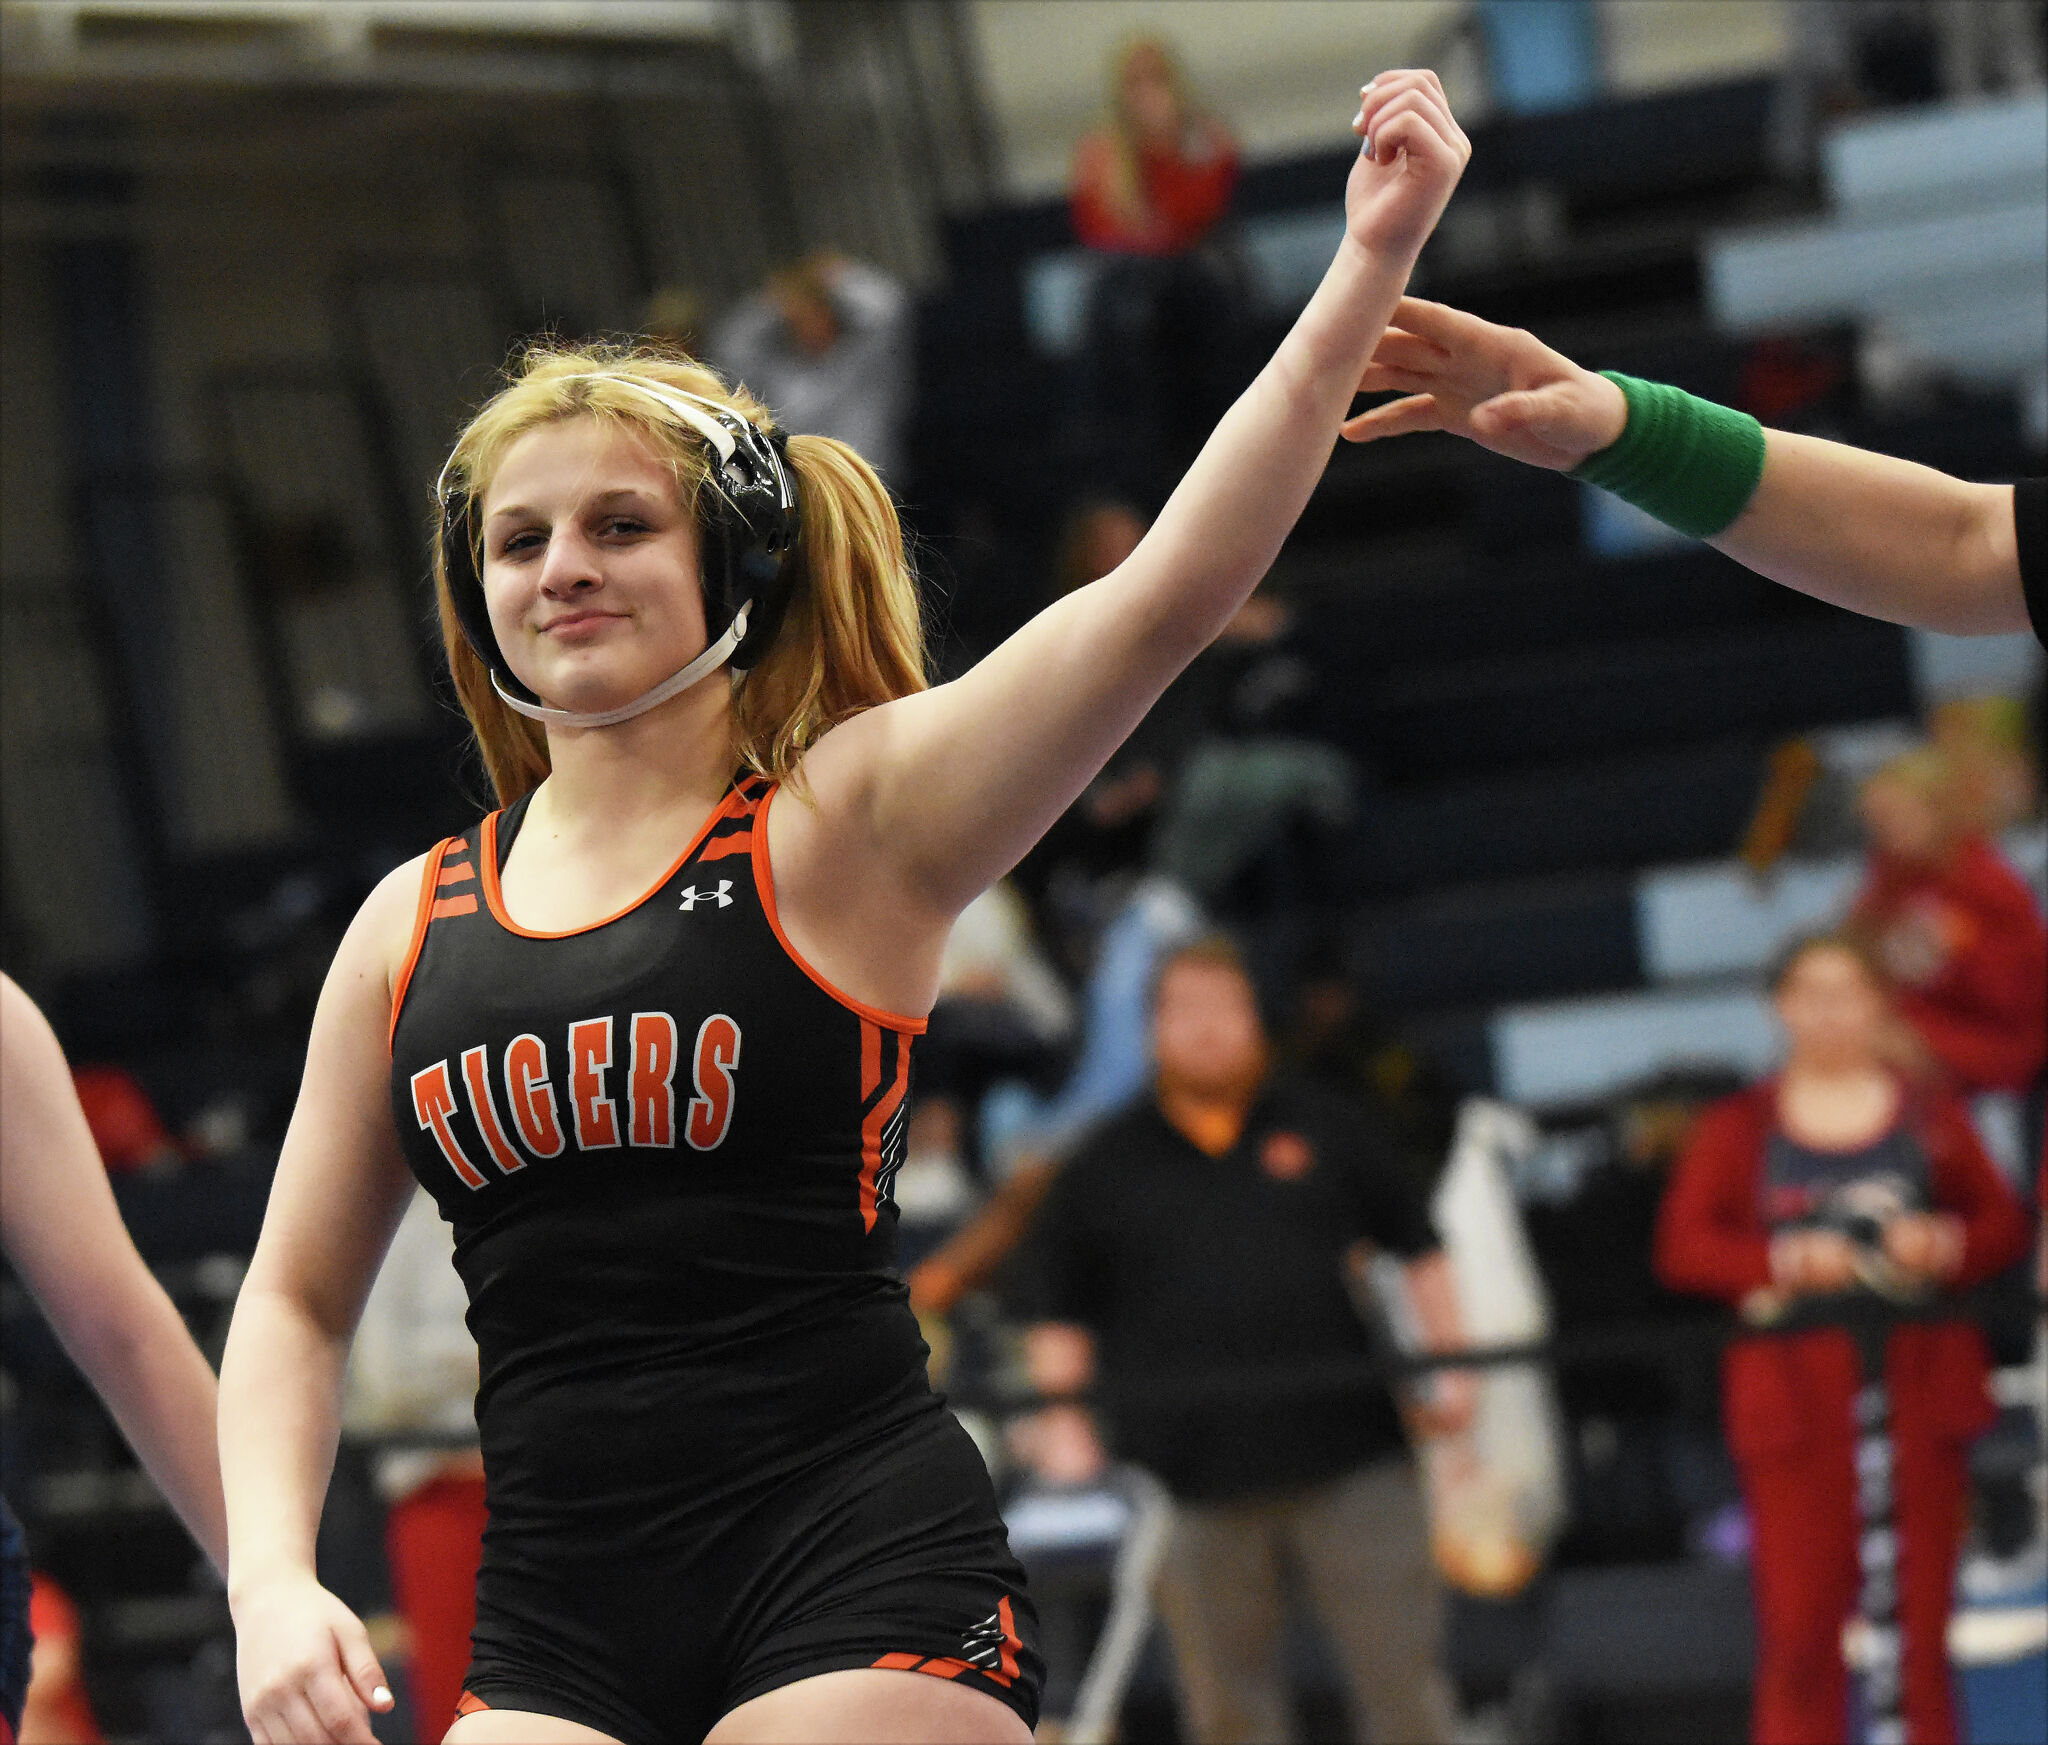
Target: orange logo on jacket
{"points": [[1286, 1157], [647, 1119]]}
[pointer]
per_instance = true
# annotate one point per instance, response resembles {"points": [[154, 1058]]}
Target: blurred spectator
{"points": [[413, 1371], [1653, 1479], [1336, 1042], [1194, 1243], [58, 1710], [1149, 186], [1955, 928], [1994, 781], [125, 1126], [1158, 173], [826, 343], [1834, 1179]]}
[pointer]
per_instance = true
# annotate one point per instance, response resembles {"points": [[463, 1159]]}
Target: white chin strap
{"points": [[702, 667]]}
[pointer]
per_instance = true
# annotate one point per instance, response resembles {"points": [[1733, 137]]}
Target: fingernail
{"points": [[1369, 152], [381, 1697], [1358, 120]]}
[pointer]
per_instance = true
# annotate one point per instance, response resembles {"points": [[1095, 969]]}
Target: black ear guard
{"points": [[754, 521]]}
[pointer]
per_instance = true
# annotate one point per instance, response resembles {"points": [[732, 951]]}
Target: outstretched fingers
{"points": [[1395, 418], [1407, 351]]}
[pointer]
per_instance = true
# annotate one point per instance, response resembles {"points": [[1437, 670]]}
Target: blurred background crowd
{"points": [[1452, 887]]}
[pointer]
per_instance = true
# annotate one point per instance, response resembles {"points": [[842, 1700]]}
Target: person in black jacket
{"points": [[1192, 1260]]}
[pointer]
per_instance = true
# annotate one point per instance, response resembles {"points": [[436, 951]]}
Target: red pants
{"points": [[434, 1541], [1802, 1507]]}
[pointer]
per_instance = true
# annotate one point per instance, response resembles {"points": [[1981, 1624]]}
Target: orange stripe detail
{"points": [[946, 1667], [454, 875], [471, 1704], [743, 843], [462, 905], [899, 1662], [764, 885], [429, 876], [871, 1131], [1011, 1640], [870, 1059], [495, 896]]}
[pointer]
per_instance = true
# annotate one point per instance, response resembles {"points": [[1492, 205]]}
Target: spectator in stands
{"points": [[1149, 186], [1958, 931], [1833, 1174], [59, 1709], [63, 1236], [1196, 1242], [1993, 778], [1876, 534], [126, 1130], [826, 345], [1336, 1041]]}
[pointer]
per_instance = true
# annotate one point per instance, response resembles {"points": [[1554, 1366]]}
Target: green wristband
{"points": [[1690, 463]]}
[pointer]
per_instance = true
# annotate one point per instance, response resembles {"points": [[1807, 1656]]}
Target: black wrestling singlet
{"points": [[666, 1146]]}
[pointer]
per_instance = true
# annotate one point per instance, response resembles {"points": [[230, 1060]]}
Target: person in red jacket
{"points": [[1158, 173], [1836, 1174], [1150, 185], [1956, 929]]}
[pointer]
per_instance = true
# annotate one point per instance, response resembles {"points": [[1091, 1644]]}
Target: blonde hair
{"points": [[852, 637], [1126, 186]]}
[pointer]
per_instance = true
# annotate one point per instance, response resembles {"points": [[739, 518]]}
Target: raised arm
{"points": [[1879, 535], [947, 789], [64, 1235], [305, 1665]]}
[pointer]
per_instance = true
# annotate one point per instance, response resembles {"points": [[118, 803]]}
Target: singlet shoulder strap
{"points": [[448, 887], [731, 828]]}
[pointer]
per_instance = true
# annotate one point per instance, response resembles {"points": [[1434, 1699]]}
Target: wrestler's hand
{"points": [[306, 1669], [1927, 1244], [1414, 154], [1447, 1406], [1498, 386], [1812, 1261]]}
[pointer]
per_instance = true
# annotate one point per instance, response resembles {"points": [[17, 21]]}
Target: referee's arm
{"points": [[1879, 535]]}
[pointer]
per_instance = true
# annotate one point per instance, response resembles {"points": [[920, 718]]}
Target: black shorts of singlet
{"points": [[15, 1639], [888, 1554]]}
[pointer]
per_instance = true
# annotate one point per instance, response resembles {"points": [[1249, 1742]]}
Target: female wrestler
{"points": [[646, 1037], [1834, 1173], [1876, 534], [62, 1233]]}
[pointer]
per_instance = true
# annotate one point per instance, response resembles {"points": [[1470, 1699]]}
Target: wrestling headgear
{"points": [[747, 539]]}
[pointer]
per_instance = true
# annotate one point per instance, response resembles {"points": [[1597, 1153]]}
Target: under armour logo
{"points": [[722, 896]]}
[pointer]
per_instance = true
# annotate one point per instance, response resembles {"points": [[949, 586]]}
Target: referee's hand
{"points": [[1497, 386], [308, 1675]]}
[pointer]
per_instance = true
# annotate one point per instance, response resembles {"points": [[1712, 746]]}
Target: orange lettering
{"points": [[717, 1058], [532, 1096], [433, 1101], [596, 1115], [651, 1079]]}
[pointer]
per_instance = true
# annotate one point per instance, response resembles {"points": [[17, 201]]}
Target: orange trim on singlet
{"points": [[454, 875], [462, 905], [495, 897], [430, 881], [877, 1120], [764, 883], [469, 1703]]}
